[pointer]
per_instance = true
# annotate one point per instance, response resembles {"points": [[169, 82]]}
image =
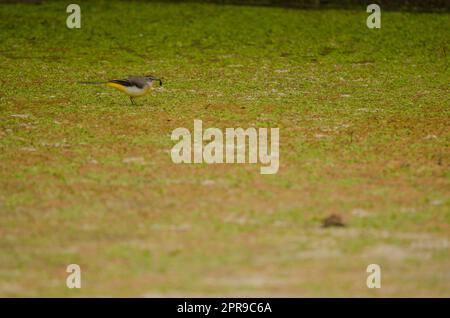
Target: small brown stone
{"points": [[333, 220]]}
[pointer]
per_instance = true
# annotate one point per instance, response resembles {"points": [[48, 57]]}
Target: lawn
{"points": [[87, 178]]}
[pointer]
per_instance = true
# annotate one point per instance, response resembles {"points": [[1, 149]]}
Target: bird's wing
{"points": [[139, 81], [123, 82]]}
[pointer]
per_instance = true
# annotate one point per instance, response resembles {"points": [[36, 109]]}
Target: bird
{"points": [[133, 86]]}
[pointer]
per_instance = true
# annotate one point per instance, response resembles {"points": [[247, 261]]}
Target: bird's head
{"points": [[151, 78]]}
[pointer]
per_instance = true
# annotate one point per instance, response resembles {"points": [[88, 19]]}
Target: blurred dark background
{"points": [[420, 5], [411, 5]]}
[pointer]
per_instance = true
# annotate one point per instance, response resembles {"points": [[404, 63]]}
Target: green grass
{"points": [[364, 125]]}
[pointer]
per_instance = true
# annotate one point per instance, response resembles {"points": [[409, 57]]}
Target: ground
{"points": [[87, 178]]}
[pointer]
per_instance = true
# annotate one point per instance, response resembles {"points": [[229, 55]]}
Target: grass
{"points": [[364, 125]]}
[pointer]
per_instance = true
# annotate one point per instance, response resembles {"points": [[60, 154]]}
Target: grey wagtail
{"points": [[133, 86]]}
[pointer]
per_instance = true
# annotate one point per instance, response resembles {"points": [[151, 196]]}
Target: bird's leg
{"points": [[132, 100]]}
